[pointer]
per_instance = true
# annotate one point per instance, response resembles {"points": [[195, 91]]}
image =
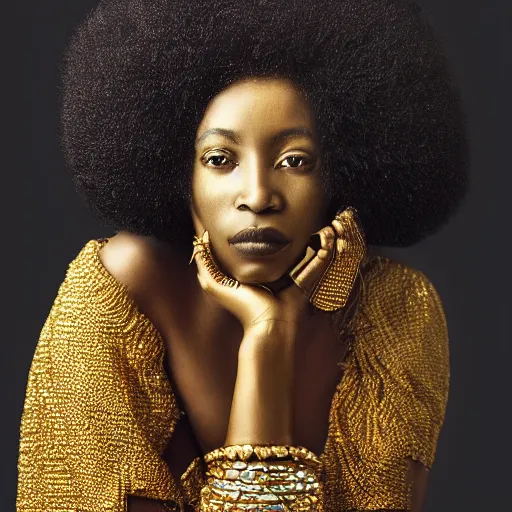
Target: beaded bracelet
{"points": [[262, 478]]}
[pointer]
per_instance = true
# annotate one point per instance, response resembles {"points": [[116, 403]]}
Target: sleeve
{"points": [[418, 362], [406, 359], [98, 409], [394, 391]]}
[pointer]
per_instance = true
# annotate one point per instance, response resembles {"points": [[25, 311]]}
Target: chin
{"points": [[258, 273]]}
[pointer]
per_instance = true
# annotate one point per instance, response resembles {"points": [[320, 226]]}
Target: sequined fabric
{"points": [[99, 409]]}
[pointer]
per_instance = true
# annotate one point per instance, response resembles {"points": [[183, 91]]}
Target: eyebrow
{"points": [[278, 137]]}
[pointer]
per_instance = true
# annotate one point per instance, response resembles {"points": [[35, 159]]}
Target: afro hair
{"points": [[138, 76]]}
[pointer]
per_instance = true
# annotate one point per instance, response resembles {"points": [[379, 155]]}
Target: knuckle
{"points": [[341, 244]]}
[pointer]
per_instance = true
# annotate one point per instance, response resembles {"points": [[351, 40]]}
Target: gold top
{"points": [[99, 409]]}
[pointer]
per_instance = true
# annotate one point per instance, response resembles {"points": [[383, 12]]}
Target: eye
{"points": [[217, 160], [295, 161]]}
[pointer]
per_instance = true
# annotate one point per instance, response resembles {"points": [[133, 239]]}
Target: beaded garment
{"points": [[99, 408]]}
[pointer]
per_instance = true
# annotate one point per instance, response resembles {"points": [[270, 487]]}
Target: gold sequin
{"points": [[99, 409]]}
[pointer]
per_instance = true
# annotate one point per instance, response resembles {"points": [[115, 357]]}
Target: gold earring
{"points": [[334, 287], [202, 247]]}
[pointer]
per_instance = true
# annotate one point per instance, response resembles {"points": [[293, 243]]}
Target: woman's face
{"points": [[257, 166]]}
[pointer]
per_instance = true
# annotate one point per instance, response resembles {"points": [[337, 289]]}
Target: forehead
{"points": [[264, 104]]}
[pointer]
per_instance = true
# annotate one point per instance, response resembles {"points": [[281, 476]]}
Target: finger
{"points": [[207, 270], [203, 275], [315, 269], [341, 245], [349, 233], [339, 228], [209, 283], [201, 255], [326, 239], [201, 281]]}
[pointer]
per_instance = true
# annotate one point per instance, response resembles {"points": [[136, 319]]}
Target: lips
{"points": [[259, 235], [257, 242]]}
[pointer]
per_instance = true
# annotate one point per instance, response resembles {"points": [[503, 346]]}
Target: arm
{"points": [[267, 399], [94, 425], [406, 356], [429, 373], [261, 408], [417, 475], [251, 471], [262, 405]]}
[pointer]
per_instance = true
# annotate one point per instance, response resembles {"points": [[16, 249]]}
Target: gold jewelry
{"points": [[245, 452], [261, 478], [202, 247], [334, 287]]}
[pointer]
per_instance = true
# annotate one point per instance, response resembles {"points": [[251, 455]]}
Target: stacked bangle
{"points": [[262, 478]]}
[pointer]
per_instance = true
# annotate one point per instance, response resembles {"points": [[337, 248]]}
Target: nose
{"points": [[259, 190]]}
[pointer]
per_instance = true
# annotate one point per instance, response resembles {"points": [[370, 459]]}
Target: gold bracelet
{"points": [[262, 478]]}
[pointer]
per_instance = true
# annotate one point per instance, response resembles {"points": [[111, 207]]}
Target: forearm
{"points": [[262, 405], [277, 476]]}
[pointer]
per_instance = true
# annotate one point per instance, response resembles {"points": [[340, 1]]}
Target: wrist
{"points": [[269, 338]]}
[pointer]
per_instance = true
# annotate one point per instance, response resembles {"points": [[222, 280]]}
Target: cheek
{"points": [[209, 200], [308, 203]]}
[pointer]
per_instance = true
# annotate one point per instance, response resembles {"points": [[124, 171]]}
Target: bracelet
{"points": [[262, 478]]}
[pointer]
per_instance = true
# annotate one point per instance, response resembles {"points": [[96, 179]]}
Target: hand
{"points": [[257, 308]]}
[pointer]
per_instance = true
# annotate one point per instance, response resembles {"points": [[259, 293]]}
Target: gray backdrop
{"points": [[45, 226]]}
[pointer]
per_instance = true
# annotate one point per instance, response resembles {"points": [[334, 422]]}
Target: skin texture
{"points": [[270, 194], [256, 179], [255, 176]]}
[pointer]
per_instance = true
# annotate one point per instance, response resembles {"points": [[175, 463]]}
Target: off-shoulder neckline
{"points": [[98, 243]]}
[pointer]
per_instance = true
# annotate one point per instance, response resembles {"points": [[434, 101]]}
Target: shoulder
{"points": [[135, 261], [403, 313], [397, 287], [103, 283], [148, 269], [127, 258], [381, 270]]}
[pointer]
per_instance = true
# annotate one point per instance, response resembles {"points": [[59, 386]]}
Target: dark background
{"points": [[45, 226]]}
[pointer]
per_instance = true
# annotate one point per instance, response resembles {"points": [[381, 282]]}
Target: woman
{"points": [[251, 125]]}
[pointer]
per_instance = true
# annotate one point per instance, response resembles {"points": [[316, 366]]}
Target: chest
{"points": [[201, 363]]}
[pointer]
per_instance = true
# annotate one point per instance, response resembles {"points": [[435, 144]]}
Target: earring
{"points": [[333, 288]]}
